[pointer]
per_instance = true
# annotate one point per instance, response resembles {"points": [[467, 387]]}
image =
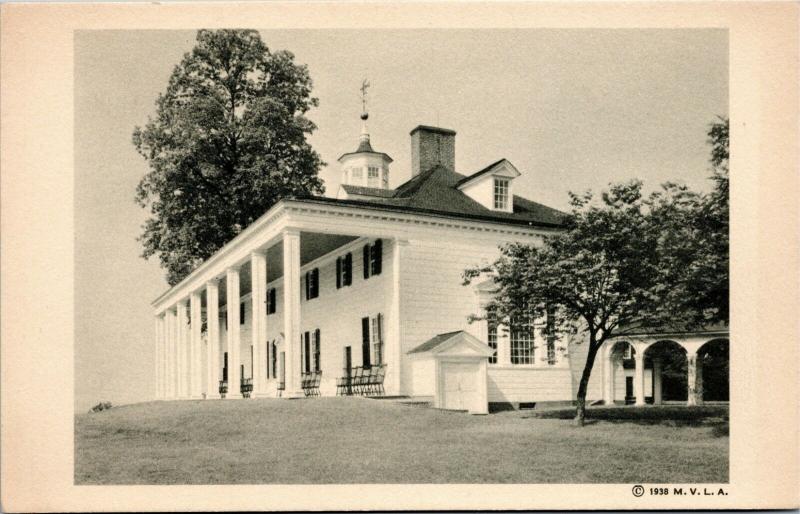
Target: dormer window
{"points": [[501, 193], [493, 186]]}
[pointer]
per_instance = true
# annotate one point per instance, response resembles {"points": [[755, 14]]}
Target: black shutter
{"points": [[348, 269], [307, 354], [274, 299], [338, 272], [307, 283], [316, 282], [365, 342], [366, 261], [377, 257], [317, 351], [225, 366], [241, 314]]}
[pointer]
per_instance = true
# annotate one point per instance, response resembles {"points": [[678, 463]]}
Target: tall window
{"points": [[312, 284], [491, 339], [373, 259], [306, 351], [317, 354], [271, 301], [344, 271], [521, 342], [274, 359], [372, 176], [551, 337], [365, 360], [501, 193], [377, 339]]}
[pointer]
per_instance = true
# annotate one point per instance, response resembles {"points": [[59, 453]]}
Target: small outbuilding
{"points": [[460, 362]]}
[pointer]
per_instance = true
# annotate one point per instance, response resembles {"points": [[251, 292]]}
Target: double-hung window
{"points": [[372, 340], [271, 301], [356, 174], [344, 270], [501, 193], [373, 258], [491, 338], [312, 284], [551, 337], [317, 351], [522, 341]]}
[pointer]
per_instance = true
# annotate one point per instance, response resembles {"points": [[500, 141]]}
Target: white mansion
{"points": [[363, 294]]}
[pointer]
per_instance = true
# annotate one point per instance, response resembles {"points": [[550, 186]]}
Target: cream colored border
{"points": [[37, 252]]}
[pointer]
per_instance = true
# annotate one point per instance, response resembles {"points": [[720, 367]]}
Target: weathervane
{"points": [[364, 87]]}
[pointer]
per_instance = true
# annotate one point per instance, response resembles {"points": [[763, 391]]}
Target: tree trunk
{"points": [[580, 413]]}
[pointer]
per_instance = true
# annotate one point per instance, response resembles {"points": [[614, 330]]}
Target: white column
{"points": [[183, 389], [691, 372], [171, 341], [212, 348], [394, 327], [195, 311], [607, 355], [234, 341], [258, 283], [157, 377], [638, 376], [657, 397], [291, 311]]}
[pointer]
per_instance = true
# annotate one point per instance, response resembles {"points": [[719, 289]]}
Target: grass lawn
{"points": [[357, 440]]}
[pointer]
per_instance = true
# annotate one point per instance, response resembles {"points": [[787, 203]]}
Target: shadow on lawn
{"points": [[714, 417]]}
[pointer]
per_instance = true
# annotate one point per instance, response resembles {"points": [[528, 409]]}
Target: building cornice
{"points": [[250, 236]]}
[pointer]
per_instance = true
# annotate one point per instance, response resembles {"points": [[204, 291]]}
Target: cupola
{"points": [[365, 167]]}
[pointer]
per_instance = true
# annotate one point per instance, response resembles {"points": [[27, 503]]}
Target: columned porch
{"points": [[666, 368]]}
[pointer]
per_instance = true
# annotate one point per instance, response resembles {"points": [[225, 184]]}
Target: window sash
{"points": [[521, 339], [491, 339], [501, 193]]}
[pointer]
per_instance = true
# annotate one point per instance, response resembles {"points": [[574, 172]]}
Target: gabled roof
{"points": [[484, 171], [450, 340]]}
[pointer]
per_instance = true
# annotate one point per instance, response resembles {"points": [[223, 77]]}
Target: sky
{"points": [[572, 109]]}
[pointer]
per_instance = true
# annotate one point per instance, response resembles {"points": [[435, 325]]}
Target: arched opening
{"points": [[714, 360], [621, 364], [668, 362]]}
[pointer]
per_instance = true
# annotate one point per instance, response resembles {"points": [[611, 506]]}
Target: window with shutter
{"points": [[377, 339], [347, 279], [376, 257], [365, 342], [307, 284], [317, 352], [366, 261], [274, 359], [307, 353]]}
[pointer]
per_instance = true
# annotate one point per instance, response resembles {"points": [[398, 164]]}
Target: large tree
{"points": [[623, 262], [228, 141]]}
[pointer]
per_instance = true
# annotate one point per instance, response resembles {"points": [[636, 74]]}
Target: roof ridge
{"points": [[479, 172]]}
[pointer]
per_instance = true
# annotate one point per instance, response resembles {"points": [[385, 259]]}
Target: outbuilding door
{"points": [[460, 385]]}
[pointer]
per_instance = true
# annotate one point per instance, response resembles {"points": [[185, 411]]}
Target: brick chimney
{"points": [[431, 146]]}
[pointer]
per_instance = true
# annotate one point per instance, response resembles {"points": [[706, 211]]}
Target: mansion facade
{"points": [[363, 294]]}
